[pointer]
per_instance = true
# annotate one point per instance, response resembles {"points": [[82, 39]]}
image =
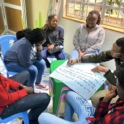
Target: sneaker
{"points": [[43, 86]]}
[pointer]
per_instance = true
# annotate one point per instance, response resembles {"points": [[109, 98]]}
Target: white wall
{"points": [[33, 7], [70, 28]]}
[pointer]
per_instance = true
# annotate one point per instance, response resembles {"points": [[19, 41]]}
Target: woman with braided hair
{"points": [[55, 37], [22, 56]]}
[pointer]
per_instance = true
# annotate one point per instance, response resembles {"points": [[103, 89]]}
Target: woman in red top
{"points": [[16, 97]]}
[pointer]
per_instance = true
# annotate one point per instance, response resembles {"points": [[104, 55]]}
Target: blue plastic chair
{"points": [[6, 42], [52, 56], [10, 118]]}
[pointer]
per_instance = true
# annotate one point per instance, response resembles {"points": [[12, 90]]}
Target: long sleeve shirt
{"points": [[107, 113], [89, 41], [7, 98], [22, 52], [54, 36], [103, 57]]}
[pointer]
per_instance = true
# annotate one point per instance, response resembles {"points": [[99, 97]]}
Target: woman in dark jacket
{"points": [[25, 54], [55, 37]]}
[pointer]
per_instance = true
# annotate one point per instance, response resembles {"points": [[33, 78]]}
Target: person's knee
{"points": [[43, 64], [61, 57], [33, 71], [44, 118], [45, 97], [69, 94], [44, 54], [26, 74], [96, 96]]}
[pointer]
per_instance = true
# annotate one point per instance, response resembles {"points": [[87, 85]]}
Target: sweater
{"points": [[54, 36], [89, 41], [7, 98], [22, 52]]}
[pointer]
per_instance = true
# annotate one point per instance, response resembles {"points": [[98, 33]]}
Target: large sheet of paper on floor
{"points": [[79, 78]]}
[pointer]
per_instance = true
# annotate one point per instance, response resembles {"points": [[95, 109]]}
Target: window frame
{"points": [[117, 29]]}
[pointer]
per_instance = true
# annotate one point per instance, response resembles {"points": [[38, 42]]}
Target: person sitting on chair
{"points": [[55, 38], [22, 55], [89, 37], [105, 112], [16, 96], [117, 54]]}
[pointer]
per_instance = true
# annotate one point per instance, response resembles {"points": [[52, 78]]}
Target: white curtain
{"points": [[54, 7]]}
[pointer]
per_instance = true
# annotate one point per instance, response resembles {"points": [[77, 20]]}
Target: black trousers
{"points": [[37, 103]]}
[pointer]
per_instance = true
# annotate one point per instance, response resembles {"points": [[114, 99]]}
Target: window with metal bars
{"points": [[112, 11]]}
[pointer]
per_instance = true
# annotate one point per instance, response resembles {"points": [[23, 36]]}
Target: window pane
{"points": [[99, 9], [78, 0], [70, 8], [112, 13], [114, 18], [114, 3], [87, 9], [94, 1], [122, 4], [74, 10], [78, 7], [99, 1]]}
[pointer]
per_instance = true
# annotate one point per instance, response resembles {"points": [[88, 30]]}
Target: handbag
{"points": [[56, 49]]}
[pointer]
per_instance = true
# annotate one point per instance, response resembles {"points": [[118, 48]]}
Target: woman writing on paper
{"points": [[55, 38]]}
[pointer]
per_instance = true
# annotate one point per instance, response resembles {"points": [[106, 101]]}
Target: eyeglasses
{"points": [[91, 21]]}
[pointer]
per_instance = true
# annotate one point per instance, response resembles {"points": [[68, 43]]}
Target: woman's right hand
{"points": [[29, 90]]}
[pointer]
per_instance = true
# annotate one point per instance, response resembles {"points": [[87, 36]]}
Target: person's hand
{"points": [[111, 93], [100, 69], [50, 47], [81, 54], [29, 90], [38, 47], [72, 62]]}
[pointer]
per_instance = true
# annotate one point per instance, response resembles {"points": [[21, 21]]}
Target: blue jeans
{"points": [[36, 70], [74, 54], [58, 55], [74, 103]]}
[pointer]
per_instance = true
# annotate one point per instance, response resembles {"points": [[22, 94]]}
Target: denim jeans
{"points": [[36, 70], [58, 55], [36, 102], [74, 103], [74, 54]]}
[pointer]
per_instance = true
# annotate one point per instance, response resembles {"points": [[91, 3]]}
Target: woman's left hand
{"points": [[50, 47]]}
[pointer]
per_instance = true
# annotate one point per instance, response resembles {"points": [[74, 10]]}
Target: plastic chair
{"points": [[52, 56], [6, 41], [10, 118], [8, 72]]}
